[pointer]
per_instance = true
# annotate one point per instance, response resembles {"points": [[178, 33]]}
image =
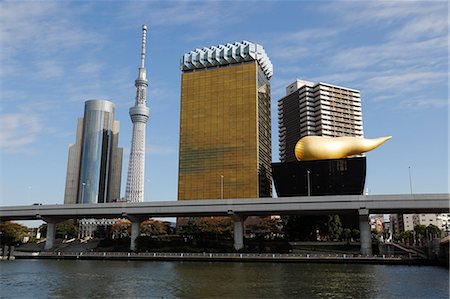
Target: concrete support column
{"points": [[135, 231], [51, 232], [238, 231], [364, 232]]}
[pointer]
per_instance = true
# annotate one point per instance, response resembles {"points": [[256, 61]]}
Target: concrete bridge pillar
{"points": [[238, 231], [51, 232], [364, 232], [135, 231]]}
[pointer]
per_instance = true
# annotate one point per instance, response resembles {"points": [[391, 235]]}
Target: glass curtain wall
{"points": [[96, 151], [224, 151]]}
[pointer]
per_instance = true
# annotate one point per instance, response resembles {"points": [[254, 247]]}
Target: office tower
{"points": [[139, 114], [319, 109], [225, 129], [94, 167]]}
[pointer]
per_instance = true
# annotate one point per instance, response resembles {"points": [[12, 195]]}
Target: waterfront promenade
{"points": [[228, 257]]}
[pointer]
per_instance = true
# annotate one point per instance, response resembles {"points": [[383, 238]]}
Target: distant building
{"points": [[225, 127], [88, 227], [318, 109], [404, 222], [94, 167]]}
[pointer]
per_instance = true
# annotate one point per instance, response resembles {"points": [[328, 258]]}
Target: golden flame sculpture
{"points": [[321, 148]]}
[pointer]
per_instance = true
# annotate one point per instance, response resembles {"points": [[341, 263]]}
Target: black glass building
{"points": [[321, 177]]}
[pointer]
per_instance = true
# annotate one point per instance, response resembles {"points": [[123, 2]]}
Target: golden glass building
{"points": [[225, 128]]}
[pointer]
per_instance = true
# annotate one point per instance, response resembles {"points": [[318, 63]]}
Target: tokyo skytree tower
{"points": [[139, 114]]}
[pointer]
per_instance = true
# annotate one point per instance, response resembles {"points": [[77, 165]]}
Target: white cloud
{"points": [[44, 32], [408, 81], [18, 130], [427, 26], [391, 54], [383, 13], [423, 103], [404, 55], [177, 13]]}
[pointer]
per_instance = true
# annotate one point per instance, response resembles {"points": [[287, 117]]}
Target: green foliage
{"points": [[346, 235], [67, 229], [11, 232], [408, 235], [121, 229], [267, 228], [208, 228], [334, 227], [152, 227], [421, 231], [433, 231], [312, 228]]}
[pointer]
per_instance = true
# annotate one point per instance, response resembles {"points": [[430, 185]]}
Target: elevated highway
{"points": [[375, 204], [238, 209]]}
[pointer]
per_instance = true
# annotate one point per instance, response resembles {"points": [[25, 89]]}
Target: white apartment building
{"points": [[319, 109], [408, 221]]}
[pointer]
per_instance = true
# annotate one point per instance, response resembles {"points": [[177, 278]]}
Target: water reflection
{"points": [[146, 279]]}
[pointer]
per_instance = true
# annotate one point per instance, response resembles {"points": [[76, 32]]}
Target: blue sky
{"points": [[56, 55]]}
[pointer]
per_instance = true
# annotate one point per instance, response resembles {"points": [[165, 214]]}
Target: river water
{"points": [[149, 279]]}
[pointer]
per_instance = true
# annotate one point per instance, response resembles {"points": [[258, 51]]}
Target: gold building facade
{"points": [[225, 128]]}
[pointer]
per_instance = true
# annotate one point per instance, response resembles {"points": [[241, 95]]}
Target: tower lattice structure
{"points": [[139, 114]]}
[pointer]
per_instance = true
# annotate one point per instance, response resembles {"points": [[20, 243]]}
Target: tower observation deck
{"points": [[139, 114]]}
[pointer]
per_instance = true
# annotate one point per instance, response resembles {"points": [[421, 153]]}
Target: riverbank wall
{"points": [[227, 257]]}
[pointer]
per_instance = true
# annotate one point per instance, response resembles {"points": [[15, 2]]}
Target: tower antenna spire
{"points": [[139, 114], [144, 40]]}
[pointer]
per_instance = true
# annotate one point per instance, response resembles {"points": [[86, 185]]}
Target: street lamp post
{"points": [[82, 191], [221, 186], [309, 182]]}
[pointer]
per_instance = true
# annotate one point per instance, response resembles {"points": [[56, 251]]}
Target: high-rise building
{"points": [[319, 109], [225, 129], [94, 167], [139, 114]]}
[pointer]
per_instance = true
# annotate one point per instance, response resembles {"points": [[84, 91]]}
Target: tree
{"points": [[334, 227], [11, 232], [267, 227], [407, 236], [347, 235], [121, 229], [67, 229], [216, 227], [420, 231], [152, 227], [304, 227], [433, 231], [209, 228], [376, 234]]}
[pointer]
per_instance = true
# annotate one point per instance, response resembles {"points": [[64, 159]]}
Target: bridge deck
{"points": [[383, 204]]}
